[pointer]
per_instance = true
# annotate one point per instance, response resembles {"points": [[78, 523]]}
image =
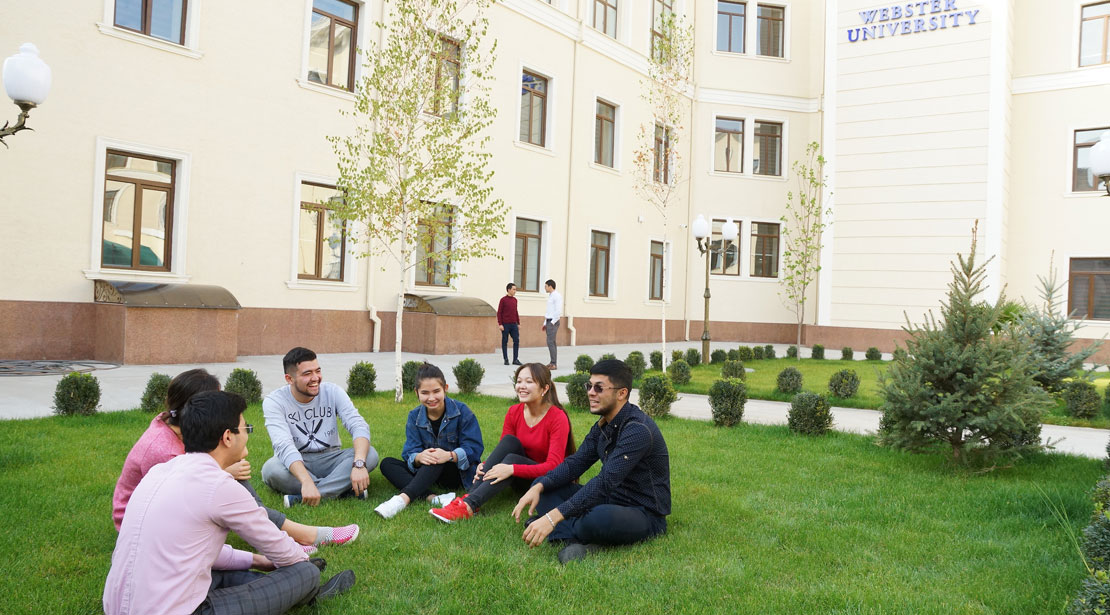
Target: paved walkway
{"points": [[122, 388]]}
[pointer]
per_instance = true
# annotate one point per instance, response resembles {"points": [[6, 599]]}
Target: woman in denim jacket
{"points": [[443, 445]]}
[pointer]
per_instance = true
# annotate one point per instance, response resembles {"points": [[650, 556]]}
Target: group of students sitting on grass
{"points": [[185, 484]]}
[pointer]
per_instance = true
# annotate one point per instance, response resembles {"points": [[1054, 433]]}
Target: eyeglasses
{"points": [[250, 428], [597, 388]]}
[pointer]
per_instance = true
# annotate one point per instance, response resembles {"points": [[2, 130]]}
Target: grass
{"points": [[764, 521]]}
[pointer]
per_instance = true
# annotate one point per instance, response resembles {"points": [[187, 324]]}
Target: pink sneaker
{"points": [[309, 549], [453, 512], [342, 535]]}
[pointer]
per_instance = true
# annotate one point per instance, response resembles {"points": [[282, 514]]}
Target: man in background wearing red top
{"points": [[508, 320]]}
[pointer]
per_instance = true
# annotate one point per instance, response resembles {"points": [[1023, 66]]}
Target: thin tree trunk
{"points": [[399, 392]]}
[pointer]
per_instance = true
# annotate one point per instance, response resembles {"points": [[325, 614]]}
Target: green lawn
{"points": [[764, 522]]}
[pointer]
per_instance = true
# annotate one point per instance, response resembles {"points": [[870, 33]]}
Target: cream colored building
{"points": [[209, 119]]}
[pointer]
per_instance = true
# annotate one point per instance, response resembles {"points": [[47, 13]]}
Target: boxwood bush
{"points": [[679, 372], [718, 356], [733, 369], [636, 364], [657, 360], [809, 414], [1082, 399], [677, 355], [733, 354], [1096, 542], [792, 352], [77, 393], [607, 357], [873, 354], [576, 391], [468, 375], [657, 394], [408, 375], [844, 383], [726, 399], [693, 356], [154, 397], [744, 353], [1093, 597], [818, 352], [244, 382], [362, 379], [757, 353], [768, 352], [583, 363], [847, 354], [789, 380]]}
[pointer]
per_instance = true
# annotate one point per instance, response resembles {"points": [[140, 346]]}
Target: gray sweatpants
{"points": [[552, 331], [330, 470]]}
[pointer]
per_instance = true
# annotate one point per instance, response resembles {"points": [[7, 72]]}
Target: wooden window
{"points": [[332, 40], [660, 10], [728, 145], [605, 16], [1089, 289], [322, 241], [768, 148], [765, 250], [433, 270], [771, 21], [1094, 27], [599, 263], [604, 132], [1081, 179], [661, 170], [533, 109], [138, 211], [448, 69], [164, 19], [655, 289], [726, 262], [526, 259], [730, 26]]}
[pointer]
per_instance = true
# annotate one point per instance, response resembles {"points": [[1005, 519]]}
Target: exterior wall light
{"points": [[729, 232], [1098, 161], [27, 81]]}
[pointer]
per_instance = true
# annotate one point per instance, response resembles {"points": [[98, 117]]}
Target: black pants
{"points": [[509, 450], [510, 329], [418, 484], [607, 524]]}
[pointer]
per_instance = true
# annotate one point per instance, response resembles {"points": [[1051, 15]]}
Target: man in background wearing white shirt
{"points": [[551, 320]]}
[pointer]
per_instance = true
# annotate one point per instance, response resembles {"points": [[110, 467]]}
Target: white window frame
{"points": [[545, 247], [191, 47], [614, 268], [751, 32], [744, 163], [361, 32], [746, 241], [349, 268], [458, 272], [667, 272], [749, 148], [618, 115], [549, 113]]}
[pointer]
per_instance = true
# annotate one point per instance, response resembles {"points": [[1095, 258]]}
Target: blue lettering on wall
{"points": [[894, 19]]}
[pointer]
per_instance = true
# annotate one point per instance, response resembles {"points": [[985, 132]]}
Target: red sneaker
{"points": [[453, 512], [342, 535]]}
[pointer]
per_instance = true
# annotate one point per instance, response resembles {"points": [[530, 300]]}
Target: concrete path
{"points": [[122, 388]]}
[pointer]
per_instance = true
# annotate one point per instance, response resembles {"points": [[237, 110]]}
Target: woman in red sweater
{"points": [[535, 438]]}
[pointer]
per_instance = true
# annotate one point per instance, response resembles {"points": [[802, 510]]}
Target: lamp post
{"points": [[1098, 161], [729, 233], [27, 81]]}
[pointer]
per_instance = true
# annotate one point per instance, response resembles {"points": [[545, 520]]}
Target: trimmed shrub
{"points": [[468, 375], [583, 363], [408, 375], [757, 353], [677, 355], [733, 355], [789, 380], [607, 357], [679, 372], [77, 393], [1108, 397], [847, 354], [657, 394], [733, 369], [809, 414], [154, 397], [1096, 542], [576, 391], [718, 356], [693, 356], [1082, 399], [900, 354], [844, 383], [657, 360], [768, 352], [1101, 497], [726, 399], [744, 353], [873, 354], [245, 383], [1093, 597], [635, 362], [792, 352], [361, 379], [818, 352]]}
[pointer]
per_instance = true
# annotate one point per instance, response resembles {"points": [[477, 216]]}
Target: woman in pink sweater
{"points": [[162, 442], [535, 437]]}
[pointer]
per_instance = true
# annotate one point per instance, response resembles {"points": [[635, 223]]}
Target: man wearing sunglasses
{"points": [[628, 501]]}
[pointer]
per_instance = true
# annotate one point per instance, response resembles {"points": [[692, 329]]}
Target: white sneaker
{"points": [[440, 501], [389, 508]]}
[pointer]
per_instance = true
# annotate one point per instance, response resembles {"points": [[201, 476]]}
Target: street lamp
{"points": [[1098, 161], [27, 82], [729, 233]]}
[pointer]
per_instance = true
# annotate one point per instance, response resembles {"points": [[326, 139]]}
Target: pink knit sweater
{"points": [[158, 444]]}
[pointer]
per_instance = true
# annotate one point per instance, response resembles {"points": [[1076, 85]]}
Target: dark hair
{"points": [[542, 376], [207, 416], [616, 370], [509, 286], [550, 283], [428, 371], [182, 387], [295, 357]]}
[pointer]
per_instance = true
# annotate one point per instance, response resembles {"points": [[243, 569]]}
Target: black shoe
{"points": [[336, 585], [516, 362], [576, 551], [319, 562], [506, 361]]}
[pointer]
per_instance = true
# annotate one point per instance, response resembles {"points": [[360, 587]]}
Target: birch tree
{"points": [[802, 227]]}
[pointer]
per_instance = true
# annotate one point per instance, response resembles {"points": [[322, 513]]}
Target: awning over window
{"points": [[448, 306], [144, 294]]}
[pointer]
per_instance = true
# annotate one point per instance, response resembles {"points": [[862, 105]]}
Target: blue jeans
{"points": [[510, 329], [606, 524]]}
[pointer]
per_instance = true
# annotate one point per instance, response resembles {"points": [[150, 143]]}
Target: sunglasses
{"points": [[597, 388], [250, 429]]}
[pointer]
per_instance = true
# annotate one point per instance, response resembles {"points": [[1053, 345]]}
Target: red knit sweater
{"points": [[545, 443]]}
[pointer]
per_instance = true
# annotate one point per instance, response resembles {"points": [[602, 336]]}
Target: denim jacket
{"points": [[459, 432]]}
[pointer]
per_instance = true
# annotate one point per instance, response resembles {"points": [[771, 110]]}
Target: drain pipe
{"points": [[372, 310], [570, 200]]}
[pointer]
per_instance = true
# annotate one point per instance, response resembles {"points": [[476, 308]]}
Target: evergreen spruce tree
{"points": [[1052, 334], [960, 383]]}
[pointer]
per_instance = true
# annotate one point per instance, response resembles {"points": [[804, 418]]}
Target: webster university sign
{"points": [[910, 18]]}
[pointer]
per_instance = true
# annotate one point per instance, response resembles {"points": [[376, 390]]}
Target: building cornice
{"points": [[760, 101], [1082, 78]]}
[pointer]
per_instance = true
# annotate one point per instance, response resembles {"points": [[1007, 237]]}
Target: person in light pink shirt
{"points": [[176, 523]]}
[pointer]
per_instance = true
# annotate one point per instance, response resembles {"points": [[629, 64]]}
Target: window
{"points": [[661, 171], [728, 146], [770, 20], [1081, 179], [599, 263], [728, 261], [448, 69], [432, 271], [533, 109], [138, 211], [526, 259], [605, 16], [1093, 29], [660, 10], [730, 26], [322, 243], [655, 284], [604, 133], [1089, 288], [331, 46], [164, 19], [765, 250], [768, 148]]}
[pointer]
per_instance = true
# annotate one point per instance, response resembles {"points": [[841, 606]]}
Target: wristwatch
{"points": [[360, 463]]}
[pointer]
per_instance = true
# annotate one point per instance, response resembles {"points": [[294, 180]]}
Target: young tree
{"points": [[1052, 333], [414, 171], [657, 159], [959, 382], [802, 227]]}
